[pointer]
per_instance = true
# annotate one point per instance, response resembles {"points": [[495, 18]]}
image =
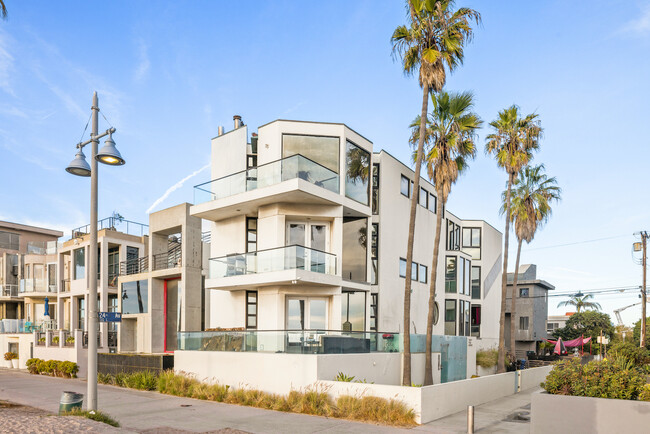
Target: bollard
{"points": [[70, 401], [470, 419]]}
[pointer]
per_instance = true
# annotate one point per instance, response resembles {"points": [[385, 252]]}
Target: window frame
{"points": [[426, 198], [475, 267], [447, 301], [455, 280], [527, 323], [367, 202], [433, 208], [338, 154], [249, 315], [251, 231], [414, 270], [374, 311], [424, 273], [521, 292], [374, 253], [402, 260], [401, 184], [374, 188]]}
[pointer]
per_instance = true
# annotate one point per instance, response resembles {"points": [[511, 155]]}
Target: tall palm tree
{"points": [[530, 208], [450, 135], [512, 143], [430, 44], [580, 301]]}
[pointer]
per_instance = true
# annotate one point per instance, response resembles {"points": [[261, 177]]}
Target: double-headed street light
{"points": [[80, 167]]}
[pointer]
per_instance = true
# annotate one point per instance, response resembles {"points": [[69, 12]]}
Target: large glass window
{"points": [[9, 240], [424, 198], [453, 236], [81, 314], [374, 311], [135, 296], [355, 234], [375, 189], [472, 242], [523, 323], [251, 309], [353, 311], [357, 173], [374, 254], [423, 273], [405, 186], [476, 320], [113, 265], [450, 274], [461, 275], [476, 283], [322, 150], [450, 317], [79, 258], [402, 267], [251, 234], [468, 277]]}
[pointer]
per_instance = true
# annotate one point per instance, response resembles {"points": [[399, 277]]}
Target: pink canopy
{"points": [[572, 343]]}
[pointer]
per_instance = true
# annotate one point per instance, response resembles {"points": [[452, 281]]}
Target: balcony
{"points": [[134, 266], [171, 259], [8, 290], [114, 224], [280, 265], [35, 285], [291, 179]]}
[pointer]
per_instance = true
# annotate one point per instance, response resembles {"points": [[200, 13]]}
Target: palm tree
{"points": [[530, 208], [581, 301], [3, 10], [450, 135], [432, 42], [513, 141]]}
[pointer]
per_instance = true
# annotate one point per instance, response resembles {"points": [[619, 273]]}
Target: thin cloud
{"points": [[175, 187], [144, 65], [639, 26], [6, 65]]}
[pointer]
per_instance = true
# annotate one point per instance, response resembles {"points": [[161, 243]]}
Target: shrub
{"points": [[487, 358], [373, 409], [601, 379], [55, 340], [645, 393], [144, 380], [342, 377], [9, 355], [55, 368], [69, 340], [622, 349]]}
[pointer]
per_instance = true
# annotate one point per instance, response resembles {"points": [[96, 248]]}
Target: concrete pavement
{"points": [[144, 411], [140, 411]]}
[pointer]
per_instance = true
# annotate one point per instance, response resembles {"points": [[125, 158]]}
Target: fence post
{"points": [[470, 419]]}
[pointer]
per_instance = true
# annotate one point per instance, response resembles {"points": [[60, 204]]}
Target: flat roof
{"points": [[315, 122], [29, 228]]}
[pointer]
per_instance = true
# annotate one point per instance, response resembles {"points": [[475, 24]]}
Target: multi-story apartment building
{"points": [[531, 310], [309, 231], [28, 271], [119, 241]]}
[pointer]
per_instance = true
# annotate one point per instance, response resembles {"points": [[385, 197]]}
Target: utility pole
{"points": [[644, 248]]}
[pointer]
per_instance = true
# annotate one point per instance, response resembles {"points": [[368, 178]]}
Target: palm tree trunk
{"points": [[513, 301], [406, 378], [501, 363], [428, 367]]}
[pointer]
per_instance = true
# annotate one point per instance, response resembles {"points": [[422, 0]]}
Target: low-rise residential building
{"points": [[554, 322], [28, 271], [531, 310]]}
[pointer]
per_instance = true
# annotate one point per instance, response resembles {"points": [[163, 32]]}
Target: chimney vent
{"points": [[237, 120], [220, 131]]}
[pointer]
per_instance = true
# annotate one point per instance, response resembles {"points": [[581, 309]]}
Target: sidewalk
{"points": [[498, 416], [139, 410]]}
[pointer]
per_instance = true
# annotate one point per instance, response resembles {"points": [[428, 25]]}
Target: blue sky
{"points": [[169, 73]]}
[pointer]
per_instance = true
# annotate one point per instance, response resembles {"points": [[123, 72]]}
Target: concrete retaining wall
{"points": [[559, 413]]}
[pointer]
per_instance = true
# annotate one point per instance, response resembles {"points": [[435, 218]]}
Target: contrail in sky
{"points": [[175, 187]]}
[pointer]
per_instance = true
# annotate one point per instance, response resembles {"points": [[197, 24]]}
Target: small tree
{"points": [[588, 324]]}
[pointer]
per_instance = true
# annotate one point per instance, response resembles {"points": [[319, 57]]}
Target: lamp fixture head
{"points": [[109, 153], [79, 166]]}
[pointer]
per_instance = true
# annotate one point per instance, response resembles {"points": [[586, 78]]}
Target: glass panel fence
{"points": [[294, 167]]}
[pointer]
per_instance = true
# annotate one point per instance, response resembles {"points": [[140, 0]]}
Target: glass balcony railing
{"points": [[282, 258], [289, 341], [36, 285], [9, 290], [265, 175], [41, 247]]}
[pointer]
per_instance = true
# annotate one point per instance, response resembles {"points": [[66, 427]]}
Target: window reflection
{"points": [[322, 150], [357, 172], [355, 234], [353, 311], [135, 296]]}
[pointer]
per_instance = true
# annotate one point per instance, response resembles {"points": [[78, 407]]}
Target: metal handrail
{"points": [[110, 223]]}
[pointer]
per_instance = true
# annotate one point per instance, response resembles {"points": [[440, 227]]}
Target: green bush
{"points": [[623, 349], [487, 358], [10, 355], [645, 393], [602, 379], [55, 368]]}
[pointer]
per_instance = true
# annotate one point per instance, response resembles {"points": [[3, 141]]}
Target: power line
{"points": [[575, 243]]}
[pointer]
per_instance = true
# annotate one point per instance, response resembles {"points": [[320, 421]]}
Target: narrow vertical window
{"points": [[375, 189], [251, 309], [476, 283], [433, 203], [414, 271], [405, 186], [374, 311], [374, 254], [423, 273], [251, 234], [402, 267], [450, 317], [424, 198], [450, 274], [476, 320]]}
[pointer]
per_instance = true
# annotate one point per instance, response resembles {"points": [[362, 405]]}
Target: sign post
{"points": [[110, 316]]}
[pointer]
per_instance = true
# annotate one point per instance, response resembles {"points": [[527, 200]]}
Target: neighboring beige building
{"points": [[554, 322], [28, 272]]}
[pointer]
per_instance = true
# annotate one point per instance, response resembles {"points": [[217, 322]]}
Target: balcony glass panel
{"points": [[282, 258], [266, 175]]}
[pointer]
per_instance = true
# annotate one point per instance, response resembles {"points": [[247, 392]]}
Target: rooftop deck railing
{"points": [[294, 167], [134, 266], [115, 224], [281, 258]]}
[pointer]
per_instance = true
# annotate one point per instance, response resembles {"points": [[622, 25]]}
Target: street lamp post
{"points": [[107, 155], [642, 246]]}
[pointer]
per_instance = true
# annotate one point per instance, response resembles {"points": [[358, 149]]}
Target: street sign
{"points": [[110, 317]]}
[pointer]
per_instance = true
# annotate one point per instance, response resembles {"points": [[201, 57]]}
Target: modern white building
{"points": [[309, 232]]}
